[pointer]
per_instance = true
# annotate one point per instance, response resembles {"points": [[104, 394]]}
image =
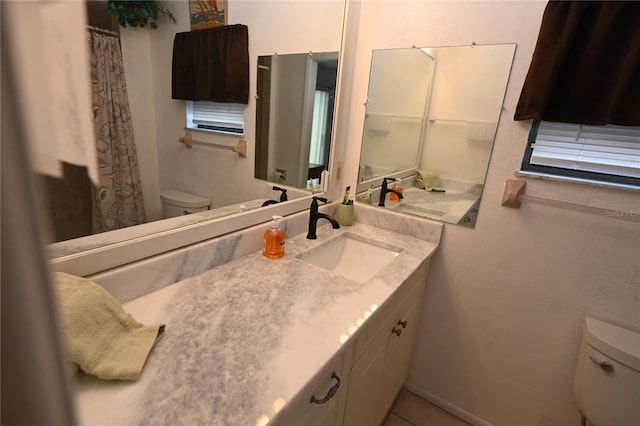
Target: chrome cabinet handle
{"points": [[329, 394], [604, 365], [402, 323], [396, 331]]}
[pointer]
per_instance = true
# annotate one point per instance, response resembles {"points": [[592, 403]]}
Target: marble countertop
{"points": [[451, 206], [245, 335]]}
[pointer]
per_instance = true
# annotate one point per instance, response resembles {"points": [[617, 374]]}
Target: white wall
{"points": [[221, 175], [501, 321]]}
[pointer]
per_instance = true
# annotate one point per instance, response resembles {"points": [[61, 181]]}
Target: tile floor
{"points": [[411, 410]]}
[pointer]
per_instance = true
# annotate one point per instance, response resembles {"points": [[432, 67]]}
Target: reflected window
{"points": [[320, 128], [216, 116]]}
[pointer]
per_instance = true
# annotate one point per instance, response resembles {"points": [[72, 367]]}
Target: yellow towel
{"points": [[102, 339], [418, 181], [428, 180]]}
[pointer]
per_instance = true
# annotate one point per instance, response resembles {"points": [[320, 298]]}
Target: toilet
{"points": [[607, 379], [178, 203]]}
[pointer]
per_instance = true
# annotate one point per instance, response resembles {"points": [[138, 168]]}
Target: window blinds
{"points": [[224, 117], [610, 149]]}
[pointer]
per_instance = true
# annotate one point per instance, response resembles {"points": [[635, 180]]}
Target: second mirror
{"points": [[431, 118]]}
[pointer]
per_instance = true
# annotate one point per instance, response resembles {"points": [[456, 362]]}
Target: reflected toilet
{"points": [[177, 203]]}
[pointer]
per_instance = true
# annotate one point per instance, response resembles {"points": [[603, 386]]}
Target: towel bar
{"points": [[513, 196], [240, 148]]}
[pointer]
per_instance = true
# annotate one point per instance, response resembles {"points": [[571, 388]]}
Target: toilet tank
{"points": [[607, 380], [178, 203]]}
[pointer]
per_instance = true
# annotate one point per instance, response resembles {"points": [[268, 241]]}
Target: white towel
{"points": [[51, 68]]}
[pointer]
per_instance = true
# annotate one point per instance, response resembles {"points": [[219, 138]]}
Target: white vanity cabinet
{"points": [[363, 380], [331, 411], [322, 400], [382, 357]]}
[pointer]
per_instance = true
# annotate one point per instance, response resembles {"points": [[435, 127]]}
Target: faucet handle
{"points": [[324, 200], [283, 196]]}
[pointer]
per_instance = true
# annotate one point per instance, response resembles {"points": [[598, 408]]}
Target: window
{"points": [[599, 153], [216, 116], [320, 128]]}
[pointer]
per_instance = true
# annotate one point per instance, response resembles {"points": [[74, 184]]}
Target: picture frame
{"points": [[207, 13]]}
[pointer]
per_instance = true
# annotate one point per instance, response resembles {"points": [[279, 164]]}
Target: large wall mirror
{"points": [[237, 191], [430, 123]]}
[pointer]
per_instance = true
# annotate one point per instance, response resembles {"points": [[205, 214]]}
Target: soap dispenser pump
{"points": [[274, 239]]}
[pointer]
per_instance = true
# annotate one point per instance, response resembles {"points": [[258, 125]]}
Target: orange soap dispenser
{"points": [[274, 239]]}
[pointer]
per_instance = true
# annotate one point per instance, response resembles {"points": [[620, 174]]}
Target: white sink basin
{"points": [[352, 256]]}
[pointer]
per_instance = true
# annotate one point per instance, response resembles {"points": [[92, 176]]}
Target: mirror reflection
{"points": [[224, 183], [399, 84], [460, 90], [294, 117]]}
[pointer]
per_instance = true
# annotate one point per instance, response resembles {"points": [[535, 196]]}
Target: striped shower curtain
{"points": [[118, 201]]}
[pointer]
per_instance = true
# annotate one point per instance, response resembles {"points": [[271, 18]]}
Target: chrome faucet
{"points": [[314, 215], [384, 190]]}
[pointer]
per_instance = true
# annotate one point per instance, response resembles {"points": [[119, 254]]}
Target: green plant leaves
{"points": [[137, 13]]}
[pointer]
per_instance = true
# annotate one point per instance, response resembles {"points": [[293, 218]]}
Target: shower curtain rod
{"points": [[103, 30]]}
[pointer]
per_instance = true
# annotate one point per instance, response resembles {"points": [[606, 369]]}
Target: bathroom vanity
{"points": [[255, 341]]}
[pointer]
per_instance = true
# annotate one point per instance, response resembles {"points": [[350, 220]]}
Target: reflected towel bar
{"points": [[240, 148], [378, 114], [513, 197], [453, 120]]}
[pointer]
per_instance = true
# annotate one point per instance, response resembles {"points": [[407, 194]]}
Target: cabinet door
{"points": [[321, 401], [329, 402], [401, 348], [369, 387], [329, 416], [378, 376]]}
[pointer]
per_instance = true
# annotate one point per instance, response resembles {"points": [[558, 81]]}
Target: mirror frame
{"points": [[99, 259]]}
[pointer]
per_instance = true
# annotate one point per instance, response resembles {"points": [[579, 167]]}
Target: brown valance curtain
{"points": [[586, 65], [212, 65]]}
